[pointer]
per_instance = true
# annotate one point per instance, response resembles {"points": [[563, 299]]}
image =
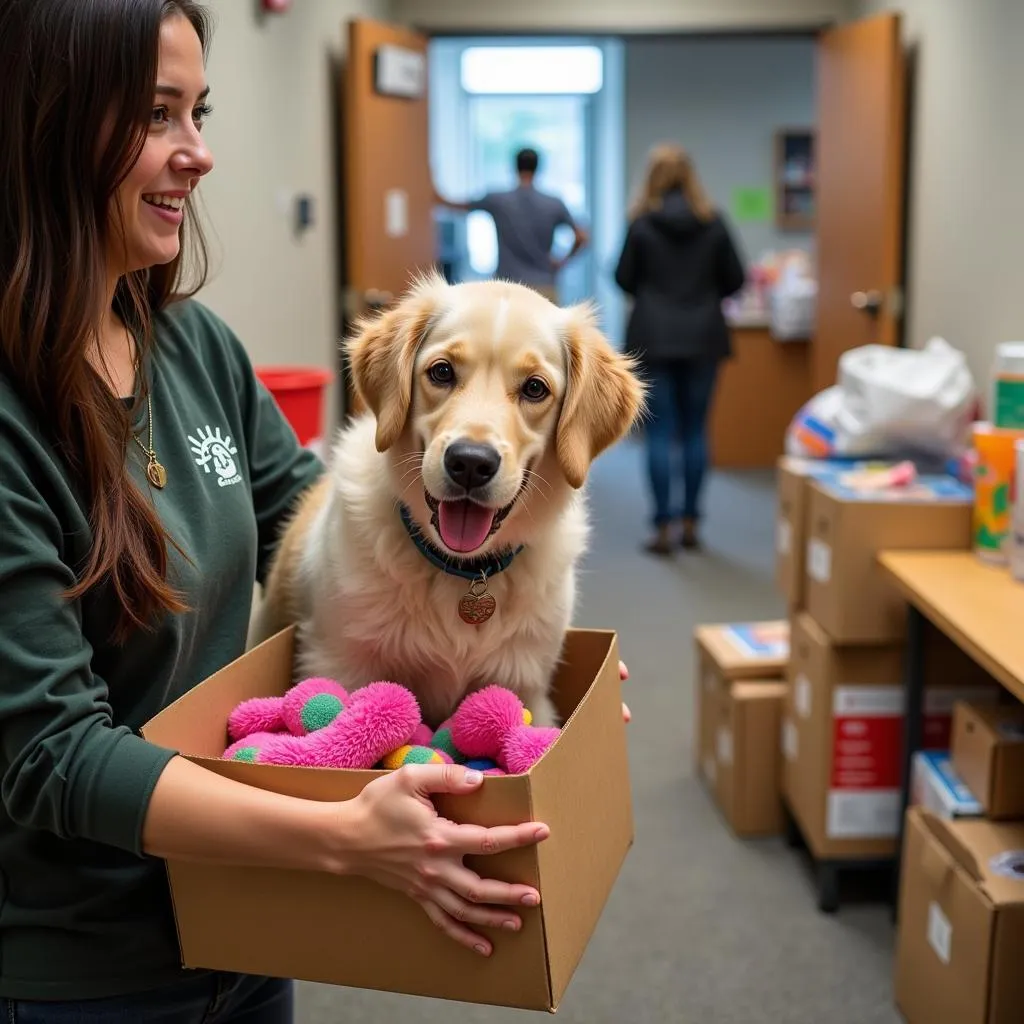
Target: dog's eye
{"points": [[442, 373], [534, 389]]}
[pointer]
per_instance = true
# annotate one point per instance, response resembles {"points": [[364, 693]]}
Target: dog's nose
{"points": [[469, 464]]}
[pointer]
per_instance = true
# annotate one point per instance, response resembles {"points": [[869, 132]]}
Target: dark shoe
{"points": [[689, 539], [658, 546], [661, 543]]}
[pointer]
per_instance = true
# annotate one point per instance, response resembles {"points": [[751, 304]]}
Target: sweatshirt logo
{"points": [[211, 448]]}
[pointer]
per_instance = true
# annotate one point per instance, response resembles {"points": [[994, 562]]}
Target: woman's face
{"points": [[173, 158]]}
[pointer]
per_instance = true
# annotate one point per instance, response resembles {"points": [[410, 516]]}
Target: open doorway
{"points": [[562, 97]]}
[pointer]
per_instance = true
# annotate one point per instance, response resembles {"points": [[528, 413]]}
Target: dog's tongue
{"points": [[464, 524]]}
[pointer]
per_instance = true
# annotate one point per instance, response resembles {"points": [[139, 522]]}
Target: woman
{"points": [[144, 474], [679, 263]]}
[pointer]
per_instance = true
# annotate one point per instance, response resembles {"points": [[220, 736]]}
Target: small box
{"points": [[727, 653], [748, 786], [350, 931], [846, 590], [988, 752], [936, 786], [793, 476], [843, 733], [961, 921]]}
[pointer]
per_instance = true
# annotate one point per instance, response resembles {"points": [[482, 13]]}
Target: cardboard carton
{"points": [[846, 590], [961, 921], [936, 786], [793, 476], [349, 931], [988, 752], [727, 653], [843, 734], [748, 787]]}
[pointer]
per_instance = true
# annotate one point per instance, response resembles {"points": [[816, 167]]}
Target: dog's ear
{"points": [[603, 397], [382, 354]]}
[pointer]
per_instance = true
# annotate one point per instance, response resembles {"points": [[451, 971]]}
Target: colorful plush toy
{"points": [[442, 740], [376, 720], [414, 753], [306, 707], [493, 723]]}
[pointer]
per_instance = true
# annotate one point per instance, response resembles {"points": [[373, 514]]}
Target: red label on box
{"points": [[866, 752]]}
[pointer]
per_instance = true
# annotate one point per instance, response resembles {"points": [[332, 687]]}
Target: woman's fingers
{"points": [[478, 840], [623, 671], [469, 912], [454, 930], [626, 713]]}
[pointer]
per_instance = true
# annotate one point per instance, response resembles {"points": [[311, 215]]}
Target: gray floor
{"points": [[701, 927]]}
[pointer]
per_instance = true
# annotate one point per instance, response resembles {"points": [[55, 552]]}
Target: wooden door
{"points": [[861, 157], [387, 194]]}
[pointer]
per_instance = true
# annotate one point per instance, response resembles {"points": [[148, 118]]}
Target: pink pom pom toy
{"points": [[307, 706], [493, 723], [377, 720]]}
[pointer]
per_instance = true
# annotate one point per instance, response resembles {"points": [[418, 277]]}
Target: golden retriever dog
{"points": [[440, 549]]}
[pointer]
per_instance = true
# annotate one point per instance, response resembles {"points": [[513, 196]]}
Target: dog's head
{"points": [[489, 397]]}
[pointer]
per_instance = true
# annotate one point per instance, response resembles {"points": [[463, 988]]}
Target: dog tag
{"points": [[476, 605]]}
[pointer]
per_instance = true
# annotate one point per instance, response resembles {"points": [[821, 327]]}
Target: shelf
{"points": [[794, 179]]}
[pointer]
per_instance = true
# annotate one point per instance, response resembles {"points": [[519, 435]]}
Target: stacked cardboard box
{"points": [[739, 694], [843, 723], [961, 912]]}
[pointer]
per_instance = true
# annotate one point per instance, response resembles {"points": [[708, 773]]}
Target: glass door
{"points": [[559, 128]]}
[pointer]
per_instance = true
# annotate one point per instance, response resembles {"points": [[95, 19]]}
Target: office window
{"points": [[522, 70]]}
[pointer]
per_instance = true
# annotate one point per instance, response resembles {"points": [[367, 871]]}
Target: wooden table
{"points": [[979, 607]]}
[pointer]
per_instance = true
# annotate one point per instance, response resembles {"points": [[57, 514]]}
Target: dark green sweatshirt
{"points": [[82, 911]]}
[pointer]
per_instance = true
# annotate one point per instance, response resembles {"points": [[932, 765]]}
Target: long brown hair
{"points": [[76, 94], [670, 167]]}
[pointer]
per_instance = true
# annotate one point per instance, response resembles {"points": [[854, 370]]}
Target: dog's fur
{"points": [[368, 604]]}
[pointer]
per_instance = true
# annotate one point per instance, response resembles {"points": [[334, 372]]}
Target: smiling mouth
{"points": [[175, 204], [464, 524]]}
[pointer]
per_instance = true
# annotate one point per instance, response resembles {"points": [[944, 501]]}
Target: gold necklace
{"points": [[154, 470]]}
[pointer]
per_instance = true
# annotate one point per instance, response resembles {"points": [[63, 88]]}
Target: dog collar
{"points": [[467, 569]]}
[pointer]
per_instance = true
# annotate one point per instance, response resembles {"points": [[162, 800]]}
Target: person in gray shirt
{"points": [[524, 221]]}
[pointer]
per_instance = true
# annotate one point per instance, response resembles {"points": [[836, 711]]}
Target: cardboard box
{"points": [[936, 786], [793, 476], [349, 931], [726, 653], [843, 734], [846, 590], [988, 752], [748, 787], [961, 922]]}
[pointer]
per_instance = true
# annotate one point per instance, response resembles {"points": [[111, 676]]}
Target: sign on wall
{"points": [[399, 72]]}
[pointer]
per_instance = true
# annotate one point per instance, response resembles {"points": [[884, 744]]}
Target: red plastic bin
{"points": [[299, 393]]}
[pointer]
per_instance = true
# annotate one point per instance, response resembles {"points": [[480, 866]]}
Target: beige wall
{"points": [[966, 231], [272, 136], [619, 15]]}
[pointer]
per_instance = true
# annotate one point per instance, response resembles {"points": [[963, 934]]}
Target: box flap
{"points": [[581, 788], [991, 853], [926, 488], [196, 722], [744, 650]]}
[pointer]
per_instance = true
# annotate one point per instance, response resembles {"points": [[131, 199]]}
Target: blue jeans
{"points": [[208, 998], [679, 400]]}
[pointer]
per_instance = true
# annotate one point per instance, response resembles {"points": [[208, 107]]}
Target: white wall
{"points": [[272, 134], [618, 15], [722, 99], [966, 218]]}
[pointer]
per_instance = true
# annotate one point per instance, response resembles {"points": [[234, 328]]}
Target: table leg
{"points": [[913, 724]]}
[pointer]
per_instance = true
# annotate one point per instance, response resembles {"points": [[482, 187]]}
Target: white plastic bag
{"points": [[890, 401], [792, 305], [916, 399]]}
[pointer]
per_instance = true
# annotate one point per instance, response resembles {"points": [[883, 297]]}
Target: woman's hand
{"points": [[623, 676], [397, 838]]}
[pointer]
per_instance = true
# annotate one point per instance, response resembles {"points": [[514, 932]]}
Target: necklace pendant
{"points": [[476, 605], [156, 473]]}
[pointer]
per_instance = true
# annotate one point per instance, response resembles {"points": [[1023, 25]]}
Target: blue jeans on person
{"points": [[678, 402], [211, 997]]}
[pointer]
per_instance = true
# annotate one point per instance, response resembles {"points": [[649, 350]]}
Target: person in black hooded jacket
{"points": [[678, 262]]}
